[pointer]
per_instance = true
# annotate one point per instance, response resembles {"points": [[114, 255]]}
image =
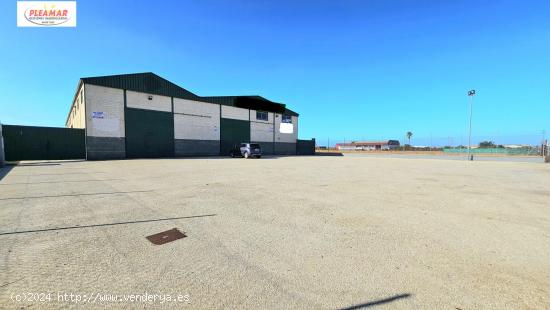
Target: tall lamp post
{"points": [[471, 94], [543, 142]]}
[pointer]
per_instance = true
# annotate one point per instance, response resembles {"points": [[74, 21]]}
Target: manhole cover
{"points": [[166, 236]]}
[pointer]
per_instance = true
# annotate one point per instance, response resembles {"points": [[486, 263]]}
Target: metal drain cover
{"points": [[166, 236]]}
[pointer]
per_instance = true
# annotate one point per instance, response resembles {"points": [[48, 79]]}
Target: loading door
{"points": [[233, 132], [43, 143], [149, 134]]}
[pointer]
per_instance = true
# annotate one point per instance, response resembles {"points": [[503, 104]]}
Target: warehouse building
{"points": [[143, 115]]}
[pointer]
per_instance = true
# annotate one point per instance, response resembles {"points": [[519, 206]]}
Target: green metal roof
{"points": [[290, 112], [149, 82], [251, 102]]}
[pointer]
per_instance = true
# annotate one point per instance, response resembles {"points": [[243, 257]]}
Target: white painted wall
{"points": [[196, 107], [193, 120], [196, 120], [286, 137], [235, 113], [110, 101], [141, 101], [261, 132], [76, 117]]}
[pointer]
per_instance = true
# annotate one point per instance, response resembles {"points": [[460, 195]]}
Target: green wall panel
{"points": [[43, 143], [149, 134], [233, 132]]}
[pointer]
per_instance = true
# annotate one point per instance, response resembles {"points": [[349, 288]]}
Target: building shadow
{"points": [[328, 154], [377, 302], [48, 162], [38, 164], [5, 170], [265, 156], [103, 225]]}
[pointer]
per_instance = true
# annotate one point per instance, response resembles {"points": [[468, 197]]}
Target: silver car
{"points": [[247, 150]]}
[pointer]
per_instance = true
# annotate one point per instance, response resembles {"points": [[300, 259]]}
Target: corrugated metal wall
{"points": [[233, 132], [43, 143], [149, 134]]}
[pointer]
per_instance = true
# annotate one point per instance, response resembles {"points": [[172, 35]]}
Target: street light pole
{"points": [[471, 94], [543, 142]]}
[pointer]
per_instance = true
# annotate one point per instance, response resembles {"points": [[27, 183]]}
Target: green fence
{"points": [[501, 151], [42, 143], [1, 147], [305, 147]]}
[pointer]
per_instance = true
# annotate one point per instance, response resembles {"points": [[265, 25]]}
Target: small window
{"points": [[287, 119], [261, 115]]}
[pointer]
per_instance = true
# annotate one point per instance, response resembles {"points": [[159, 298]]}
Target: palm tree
{"points": [[409, 135]]}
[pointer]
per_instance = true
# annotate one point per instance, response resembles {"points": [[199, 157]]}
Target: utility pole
{"points": [[543, 142], [471, 94]]}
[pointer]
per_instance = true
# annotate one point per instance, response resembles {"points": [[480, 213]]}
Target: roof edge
{"points": [[80, 83]]}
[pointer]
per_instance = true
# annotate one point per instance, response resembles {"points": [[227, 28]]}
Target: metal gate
{"points": [[149, 134], [43, 143], [233, 132]]}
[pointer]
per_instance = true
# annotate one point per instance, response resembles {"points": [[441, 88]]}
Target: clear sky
{"points": [[352, 69]]}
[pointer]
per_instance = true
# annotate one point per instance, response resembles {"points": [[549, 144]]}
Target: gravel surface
{"points": [[288, 232]]}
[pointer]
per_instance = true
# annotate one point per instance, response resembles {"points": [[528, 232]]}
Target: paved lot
{"points": [[461, 157], [294, 232]]}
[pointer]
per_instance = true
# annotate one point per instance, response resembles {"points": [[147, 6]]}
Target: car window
{"points": [[243, 145], [254, 146]]}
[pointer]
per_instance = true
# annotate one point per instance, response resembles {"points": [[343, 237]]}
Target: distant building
{"points": [[516, 146], [369, 145]]}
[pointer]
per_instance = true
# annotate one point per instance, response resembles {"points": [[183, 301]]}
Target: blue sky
{"points": [[352, 69]]}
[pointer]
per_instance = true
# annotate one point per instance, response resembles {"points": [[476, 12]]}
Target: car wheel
{"points": [[259, 156], [232, 155], [246, 155]]}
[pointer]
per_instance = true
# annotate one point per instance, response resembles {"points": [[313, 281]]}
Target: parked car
{"points": [[246, 150]]}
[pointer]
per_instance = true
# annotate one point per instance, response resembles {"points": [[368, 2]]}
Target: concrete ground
{"points": [[461, 157], [288, 232]]}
